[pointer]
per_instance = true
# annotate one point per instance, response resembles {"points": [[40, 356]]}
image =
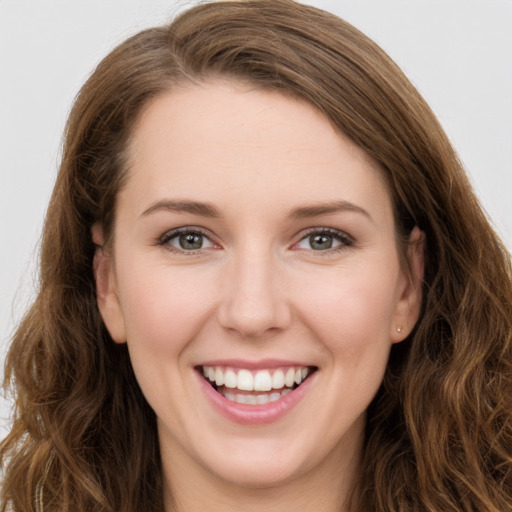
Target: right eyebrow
{"points": [[183, 206]]}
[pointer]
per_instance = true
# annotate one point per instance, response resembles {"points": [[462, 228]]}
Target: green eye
{"points": [[320, 241], [186, 240], [190, 241], [324, 239]]}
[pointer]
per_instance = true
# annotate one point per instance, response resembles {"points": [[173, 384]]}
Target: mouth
{"points": [[255, 387]]}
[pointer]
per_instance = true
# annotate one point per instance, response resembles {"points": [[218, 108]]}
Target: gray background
{"points": [[457, 52]]}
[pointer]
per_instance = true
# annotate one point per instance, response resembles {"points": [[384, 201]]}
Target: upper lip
{"points": [[261, 364]]}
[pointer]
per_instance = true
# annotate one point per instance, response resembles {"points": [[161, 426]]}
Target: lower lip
{"points": [[262, 414]]}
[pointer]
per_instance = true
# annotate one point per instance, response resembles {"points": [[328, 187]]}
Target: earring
{"points": [[399, 328]]}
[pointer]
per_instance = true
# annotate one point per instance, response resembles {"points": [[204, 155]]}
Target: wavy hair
{"points": [[439, 431]]}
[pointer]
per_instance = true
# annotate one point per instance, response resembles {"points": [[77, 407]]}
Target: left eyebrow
{"points": [[316, 210]]}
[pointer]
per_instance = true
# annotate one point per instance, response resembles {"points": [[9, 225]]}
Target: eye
{"points": [[324, 240], [186, 240]]}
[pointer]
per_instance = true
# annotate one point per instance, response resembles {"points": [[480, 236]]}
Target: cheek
{"points": [[163, 307], [351, 310]]}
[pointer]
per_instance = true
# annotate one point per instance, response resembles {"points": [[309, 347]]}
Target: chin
{"points": [[260, 475]]}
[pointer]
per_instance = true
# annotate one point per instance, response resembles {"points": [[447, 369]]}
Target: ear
{"points": [[106, 287], [408, 306]]}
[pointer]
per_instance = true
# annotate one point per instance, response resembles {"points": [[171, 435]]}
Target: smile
{"points": [[255, 387]]}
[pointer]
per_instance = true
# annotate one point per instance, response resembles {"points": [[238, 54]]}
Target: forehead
{"points": [[220, 140]]}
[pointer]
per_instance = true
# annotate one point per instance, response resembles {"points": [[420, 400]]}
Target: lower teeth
{"points": [[256, 399]]}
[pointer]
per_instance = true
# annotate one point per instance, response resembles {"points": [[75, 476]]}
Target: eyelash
{"points": [[165, 240], [344, 240]]}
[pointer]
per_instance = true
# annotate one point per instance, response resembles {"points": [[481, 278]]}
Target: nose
{"points": [[254, 301]]}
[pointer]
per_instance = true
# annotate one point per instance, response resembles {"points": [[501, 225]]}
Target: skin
{"points": [[256, 289]]}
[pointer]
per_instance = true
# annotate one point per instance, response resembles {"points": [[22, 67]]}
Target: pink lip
{"points": [[254, 414], [262, 364]]}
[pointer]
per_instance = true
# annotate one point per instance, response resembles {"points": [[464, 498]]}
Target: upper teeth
{"points": [[260, 380]]}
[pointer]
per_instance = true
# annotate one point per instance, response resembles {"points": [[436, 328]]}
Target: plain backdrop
{"points": [[458, 53]]}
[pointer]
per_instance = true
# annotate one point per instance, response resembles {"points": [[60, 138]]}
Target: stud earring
{"points": [[399, 328]]}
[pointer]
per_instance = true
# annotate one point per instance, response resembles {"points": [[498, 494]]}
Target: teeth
{"points": [[261, 380], [289, 378], [256, 399], [219, 377], [229, 379], [278, 379], [245, 381], [262, 399]]}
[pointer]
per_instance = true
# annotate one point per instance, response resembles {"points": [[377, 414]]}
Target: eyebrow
{"points": [[210, 211], [184, 206], [316, 210]]}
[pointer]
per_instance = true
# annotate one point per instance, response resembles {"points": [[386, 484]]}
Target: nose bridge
{"points": [[253, 301]]}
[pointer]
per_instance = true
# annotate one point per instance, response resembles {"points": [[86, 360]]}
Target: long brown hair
{"points": [[439, 431]]}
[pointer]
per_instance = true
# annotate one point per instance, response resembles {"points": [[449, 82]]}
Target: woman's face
{"points": [[254, 245]]}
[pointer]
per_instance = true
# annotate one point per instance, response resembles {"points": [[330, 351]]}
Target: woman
{"points": [[265, 281]]}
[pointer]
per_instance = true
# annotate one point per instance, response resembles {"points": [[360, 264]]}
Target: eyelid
{"points": [[344, 238], [164, 239]]}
